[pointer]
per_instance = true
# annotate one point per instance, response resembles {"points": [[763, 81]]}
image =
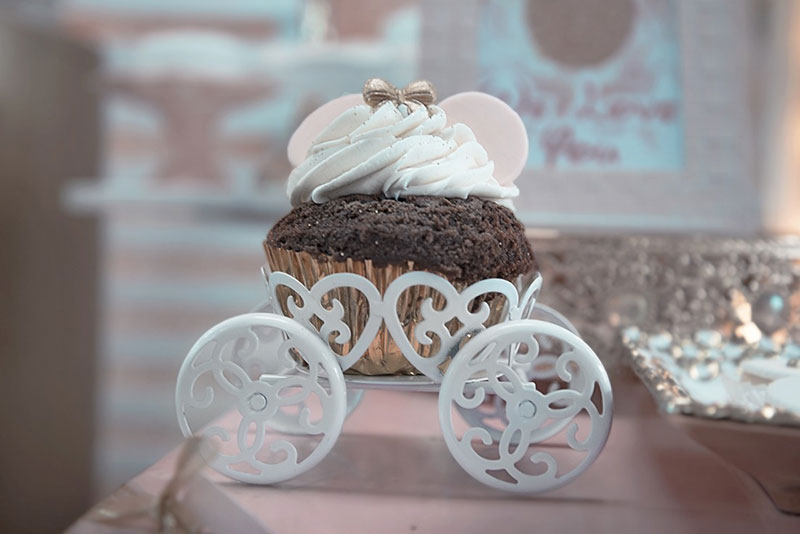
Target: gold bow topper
{"points": [[420, 93]]}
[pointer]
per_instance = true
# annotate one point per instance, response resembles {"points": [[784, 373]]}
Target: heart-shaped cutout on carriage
{"points": [[428, 317], [341, 308]]}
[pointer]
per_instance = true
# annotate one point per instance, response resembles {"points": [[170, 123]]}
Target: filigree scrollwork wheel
{"points": [[245, 407], [530, 449], [542, 369], [289, 422]]}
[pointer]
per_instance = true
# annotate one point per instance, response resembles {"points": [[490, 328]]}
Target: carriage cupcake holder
{"points": [[524, 405]]}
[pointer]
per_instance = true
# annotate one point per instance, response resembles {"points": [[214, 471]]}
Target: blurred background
{"points": [[142, 161]]}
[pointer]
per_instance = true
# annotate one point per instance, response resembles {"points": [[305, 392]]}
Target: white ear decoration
{"points": [[497, 128], [496, 125], [310, 128]]}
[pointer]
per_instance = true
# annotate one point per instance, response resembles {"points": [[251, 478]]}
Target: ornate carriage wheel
{"points": [[246, 360], [286, 422], [541, 369], [503, 459]]}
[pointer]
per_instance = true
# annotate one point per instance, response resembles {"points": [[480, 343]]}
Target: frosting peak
{"points": [[396, 152]]}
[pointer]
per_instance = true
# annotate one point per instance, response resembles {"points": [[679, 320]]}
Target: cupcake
{"points": [[391, 185]]}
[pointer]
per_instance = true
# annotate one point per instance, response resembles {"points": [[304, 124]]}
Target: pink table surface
{"points": [[391, 472]]}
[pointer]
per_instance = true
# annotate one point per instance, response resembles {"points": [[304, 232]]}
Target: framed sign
{"points": [[637, 111]]}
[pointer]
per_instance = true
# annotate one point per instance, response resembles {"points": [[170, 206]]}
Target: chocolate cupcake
{"points": [[464, 240], [390, 188]]}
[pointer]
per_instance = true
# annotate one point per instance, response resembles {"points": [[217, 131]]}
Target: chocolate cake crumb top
{"points": [[465, 240]]}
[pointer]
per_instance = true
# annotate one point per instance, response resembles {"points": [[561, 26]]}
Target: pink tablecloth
{"points": [[391, 472]]}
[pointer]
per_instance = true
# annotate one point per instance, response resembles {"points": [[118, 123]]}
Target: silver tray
{"points": [[704, 393]]}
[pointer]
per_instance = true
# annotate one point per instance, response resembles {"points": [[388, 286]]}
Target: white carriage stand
{"points": [[515, 384]]}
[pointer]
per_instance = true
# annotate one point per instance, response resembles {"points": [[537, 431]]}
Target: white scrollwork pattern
{"points": [[529, 390], [254, 445], [457, 306], [512, 456], [332, 318], [258, 364], [384, 309], [541, 370]]}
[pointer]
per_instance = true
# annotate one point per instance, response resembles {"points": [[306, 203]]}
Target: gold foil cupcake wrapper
{"points": [[415, 307]]}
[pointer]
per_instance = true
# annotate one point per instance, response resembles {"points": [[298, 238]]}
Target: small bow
{"points": [[420, 93]]}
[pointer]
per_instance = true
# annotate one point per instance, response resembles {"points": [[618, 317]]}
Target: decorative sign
{"points": [[637, 110], [597, 83]]}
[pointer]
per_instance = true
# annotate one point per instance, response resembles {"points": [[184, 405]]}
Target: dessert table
{"points": [[391, 472]]}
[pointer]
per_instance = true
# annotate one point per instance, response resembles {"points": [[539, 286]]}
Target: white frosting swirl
{"points": [[393, 152]]}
